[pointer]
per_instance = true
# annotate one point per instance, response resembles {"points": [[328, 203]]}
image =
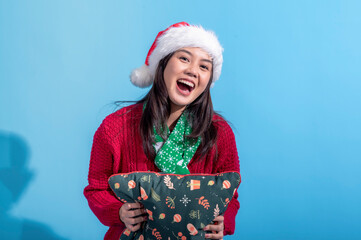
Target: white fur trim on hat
{"points": [[173, 39]]}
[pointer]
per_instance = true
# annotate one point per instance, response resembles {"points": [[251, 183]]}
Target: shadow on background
{"points": [[14, 179]]}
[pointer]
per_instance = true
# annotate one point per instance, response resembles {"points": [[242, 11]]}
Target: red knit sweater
{"points": [[117, 147]]}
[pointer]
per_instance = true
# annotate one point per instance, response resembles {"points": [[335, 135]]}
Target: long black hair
{"points": [[157, 111]]}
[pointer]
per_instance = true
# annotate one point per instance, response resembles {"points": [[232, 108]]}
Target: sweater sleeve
{"points": [[100, 198], [227, 153]]}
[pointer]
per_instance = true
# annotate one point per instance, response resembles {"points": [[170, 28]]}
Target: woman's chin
{"points": [[179, 103]]}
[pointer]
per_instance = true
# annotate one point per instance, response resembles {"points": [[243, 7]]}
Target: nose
{"points": [[191, 71]]}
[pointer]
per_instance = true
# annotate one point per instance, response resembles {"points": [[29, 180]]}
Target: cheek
{"points": [[166, 77], [205, 81], [202, 88], [169, 73]]}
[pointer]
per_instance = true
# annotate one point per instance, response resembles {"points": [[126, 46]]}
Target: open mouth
{"points": [[185, 86]]}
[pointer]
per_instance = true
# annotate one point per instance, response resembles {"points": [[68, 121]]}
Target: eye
{"points": [[183, 59], [204, 67]]}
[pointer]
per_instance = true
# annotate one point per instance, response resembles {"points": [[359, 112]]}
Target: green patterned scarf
{"points": [[174, 154]]}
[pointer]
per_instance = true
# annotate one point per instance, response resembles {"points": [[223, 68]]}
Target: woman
{"points": [[175, 119]]}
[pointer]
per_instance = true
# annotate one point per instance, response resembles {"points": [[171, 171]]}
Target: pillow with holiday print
{"points": [[179, 206]]}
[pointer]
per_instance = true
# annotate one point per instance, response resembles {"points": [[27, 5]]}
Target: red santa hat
{"points": [[178, 36]]}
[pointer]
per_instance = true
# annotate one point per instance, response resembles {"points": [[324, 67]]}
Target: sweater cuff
{"points": [[230, 219]]}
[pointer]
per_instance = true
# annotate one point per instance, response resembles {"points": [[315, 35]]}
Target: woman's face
{"points": [[186, 75]]}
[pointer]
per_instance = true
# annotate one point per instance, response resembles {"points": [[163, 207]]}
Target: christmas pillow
{"points": [[178, 206]]}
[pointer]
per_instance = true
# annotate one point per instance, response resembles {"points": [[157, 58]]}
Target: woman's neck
{"points": [[175, 113]]}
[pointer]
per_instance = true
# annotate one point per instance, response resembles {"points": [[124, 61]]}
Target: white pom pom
{"points": [[141, 77]]}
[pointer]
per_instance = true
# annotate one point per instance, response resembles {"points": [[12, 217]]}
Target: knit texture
{"points": [[117, 148]]}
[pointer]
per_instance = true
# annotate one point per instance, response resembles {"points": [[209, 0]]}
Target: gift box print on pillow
{"points": [[179, 206]]}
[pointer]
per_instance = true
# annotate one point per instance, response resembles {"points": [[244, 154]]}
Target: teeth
{"points": [[186, 83]]}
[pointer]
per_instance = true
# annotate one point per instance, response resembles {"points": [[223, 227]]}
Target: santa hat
{"points": [[178, 36]]}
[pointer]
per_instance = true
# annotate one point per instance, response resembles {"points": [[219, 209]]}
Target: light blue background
{"points": [[290, 86]]}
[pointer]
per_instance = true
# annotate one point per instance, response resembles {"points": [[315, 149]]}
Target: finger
{"points": [[135, 213], [126, 206], [134, 221], [133, 206], [216, 228], [219, 219], [218, 235], [133, 228]]}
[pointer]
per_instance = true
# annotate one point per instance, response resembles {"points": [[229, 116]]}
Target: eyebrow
{"points": [[203, 59]]}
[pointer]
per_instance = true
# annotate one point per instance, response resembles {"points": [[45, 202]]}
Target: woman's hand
{"points": [[132, 215], [216, 228]]}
